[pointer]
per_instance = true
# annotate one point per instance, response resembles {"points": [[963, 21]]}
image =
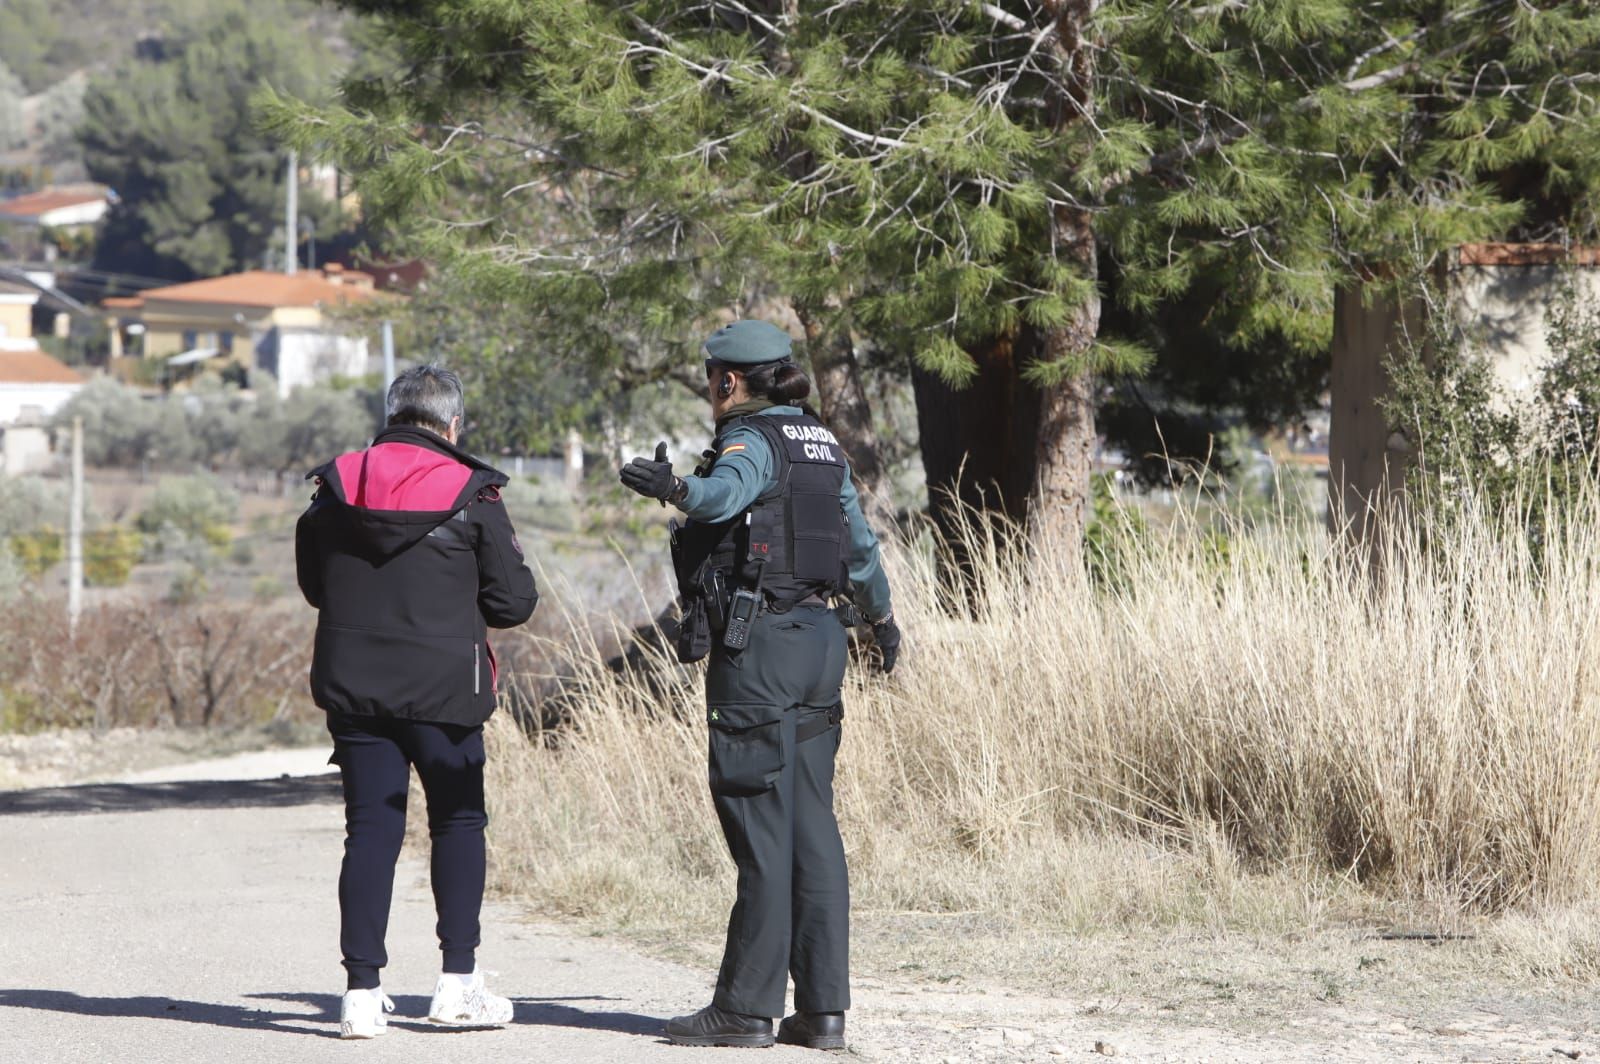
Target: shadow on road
{"points": [[546, 1012], [144, 797], [321, 1009], [162, 1008]]}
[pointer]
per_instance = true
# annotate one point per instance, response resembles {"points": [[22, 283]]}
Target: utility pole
{"points": [[291, 214], [388, 355], [75, 531]]}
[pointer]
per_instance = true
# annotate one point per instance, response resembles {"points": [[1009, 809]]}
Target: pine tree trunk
{"points": [[1066, 443], [842, 401], [979, 442]]}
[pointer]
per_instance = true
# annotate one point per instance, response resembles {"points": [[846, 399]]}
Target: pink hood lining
{"points": [[401, 476]]}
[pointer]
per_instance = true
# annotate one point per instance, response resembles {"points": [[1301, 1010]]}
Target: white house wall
{"points": [[306, 357], [76, 214], [41, 399]]}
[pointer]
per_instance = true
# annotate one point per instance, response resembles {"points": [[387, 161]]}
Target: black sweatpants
{"points": [[773, 793], [375, 756]]}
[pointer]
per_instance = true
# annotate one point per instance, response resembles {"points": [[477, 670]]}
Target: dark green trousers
{"points": [[774, 798]]}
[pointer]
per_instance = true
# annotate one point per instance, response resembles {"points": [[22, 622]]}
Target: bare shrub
{"points": [[151, 664]]}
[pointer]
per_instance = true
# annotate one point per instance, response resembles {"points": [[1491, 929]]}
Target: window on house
{"points": [[189, 338], [225, 343]]}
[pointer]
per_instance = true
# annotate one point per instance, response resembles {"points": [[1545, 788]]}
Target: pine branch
{"points": [[875, 140], [1005, 18], [1210, 142], [1392, 43]]}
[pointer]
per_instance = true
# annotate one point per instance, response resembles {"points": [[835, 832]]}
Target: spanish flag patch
{"points": [[735, 447]]}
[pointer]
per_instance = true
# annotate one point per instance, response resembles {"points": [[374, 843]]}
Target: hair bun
{"points": [[789, 385]]}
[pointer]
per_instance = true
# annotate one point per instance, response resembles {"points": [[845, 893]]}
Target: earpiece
{"points": [[725, 387]]}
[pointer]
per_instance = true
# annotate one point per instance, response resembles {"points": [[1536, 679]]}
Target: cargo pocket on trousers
{"points": [[746, 748]]}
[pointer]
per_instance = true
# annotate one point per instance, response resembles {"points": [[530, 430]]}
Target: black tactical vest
{"points": [[791, 542]]}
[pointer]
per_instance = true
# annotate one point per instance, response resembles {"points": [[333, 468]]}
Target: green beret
{"points": [[748, 343]]}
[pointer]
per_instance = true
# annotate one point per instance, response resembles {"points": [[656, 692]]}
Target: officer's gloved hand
{"points": [[652, 479], [887, 635]]}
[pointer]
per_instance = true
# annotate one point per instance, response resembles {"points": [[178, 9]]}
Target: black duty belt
{"points": [[817, 725]]}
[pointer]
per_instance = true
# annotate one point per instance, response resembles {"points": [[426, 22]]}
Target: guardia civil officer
{"points": [[775, 540]]}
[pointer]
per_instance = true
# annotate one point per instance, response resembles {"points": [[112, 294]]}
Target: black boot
{"points": [[712, 1026], [814, 1030]]}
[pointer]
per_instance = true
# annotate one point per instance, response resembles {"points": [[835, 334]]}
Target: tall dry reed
{"points": [[1209, 715]]}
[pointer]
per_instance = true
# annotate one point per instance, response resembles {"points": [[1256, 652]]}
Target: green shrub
{"points": [[188, 586], [38, 552], [109, 556]]}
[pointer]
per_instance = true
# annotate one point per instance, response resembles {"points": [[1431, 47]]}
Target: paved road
{"points": [[189, 916], [195, 921]]}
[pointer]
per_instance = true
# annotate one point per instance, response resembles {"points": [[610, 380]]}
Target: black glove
{"points": [[887, 635], [653, 480]]}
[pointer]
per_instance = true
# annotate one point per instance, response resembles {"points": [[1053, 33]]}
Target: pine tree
{"points": [[199, 188], [945, 177]]}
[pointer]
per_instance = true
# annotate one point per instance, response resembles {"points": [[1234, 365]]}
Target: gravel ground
{"points": [[190, 915]]}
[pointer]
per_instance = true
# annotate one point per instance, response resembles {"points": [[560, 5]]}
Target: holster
{"points": [[694, 631]]}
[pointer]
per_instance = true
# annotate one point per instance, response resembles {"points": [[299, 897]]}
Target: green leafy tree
{"points": [[199, 508], [946, 180], [123, 427], [60, 113], [199, 188], [12, 130], [535, 370], [310, 427], [31, 41]]}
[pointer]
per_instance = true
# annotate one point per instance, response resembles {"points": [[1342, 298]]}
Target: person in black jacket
{"points": [[407, 553]]}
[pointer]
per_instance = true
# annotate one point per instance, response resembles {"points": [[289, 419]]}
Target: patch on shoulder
{"points": [[734, 447]]}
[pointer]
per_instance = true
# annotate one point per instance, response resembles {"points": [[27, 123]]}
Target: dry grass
{"points": [[1228, 735]]}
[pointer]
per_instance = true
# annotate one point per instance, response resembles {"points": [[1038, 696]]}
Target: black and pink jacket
{"points": [[408, 554]]}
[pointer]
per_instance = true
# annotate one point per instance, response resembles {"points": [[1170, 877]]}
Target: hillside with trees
{"points": [[52, 50]]}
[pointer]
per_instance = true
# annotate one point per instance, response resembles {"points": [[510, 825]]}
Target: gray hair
{"points": [[427, 396]]}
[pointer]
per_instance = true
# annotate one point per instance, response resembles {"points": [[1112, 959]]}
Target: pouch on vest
{"points": [[694, 631]]}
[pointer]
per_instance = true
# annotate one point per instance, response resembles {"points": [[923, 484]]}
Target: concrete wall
{"points": [[24, 449], [1504, 310]]}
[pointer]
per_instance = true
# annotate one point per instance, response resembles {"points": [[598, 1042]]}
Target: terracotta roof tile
{"points": [[34, 204], [35, 367], [1527, 255], [266, 288]]}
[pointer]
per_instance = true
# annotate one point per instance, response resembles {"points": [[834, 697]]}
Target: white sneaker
{"points": [[362, 1014], [461, 1002]]}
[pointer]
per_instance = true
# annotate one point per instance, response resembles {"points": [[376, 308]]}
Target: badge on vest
{"points": [[817, 443]]}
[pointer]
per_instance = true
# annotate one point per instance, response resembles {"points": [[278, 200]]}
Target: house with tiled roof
{"points": [[259, 320], [33, 385], [62, 207]]}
